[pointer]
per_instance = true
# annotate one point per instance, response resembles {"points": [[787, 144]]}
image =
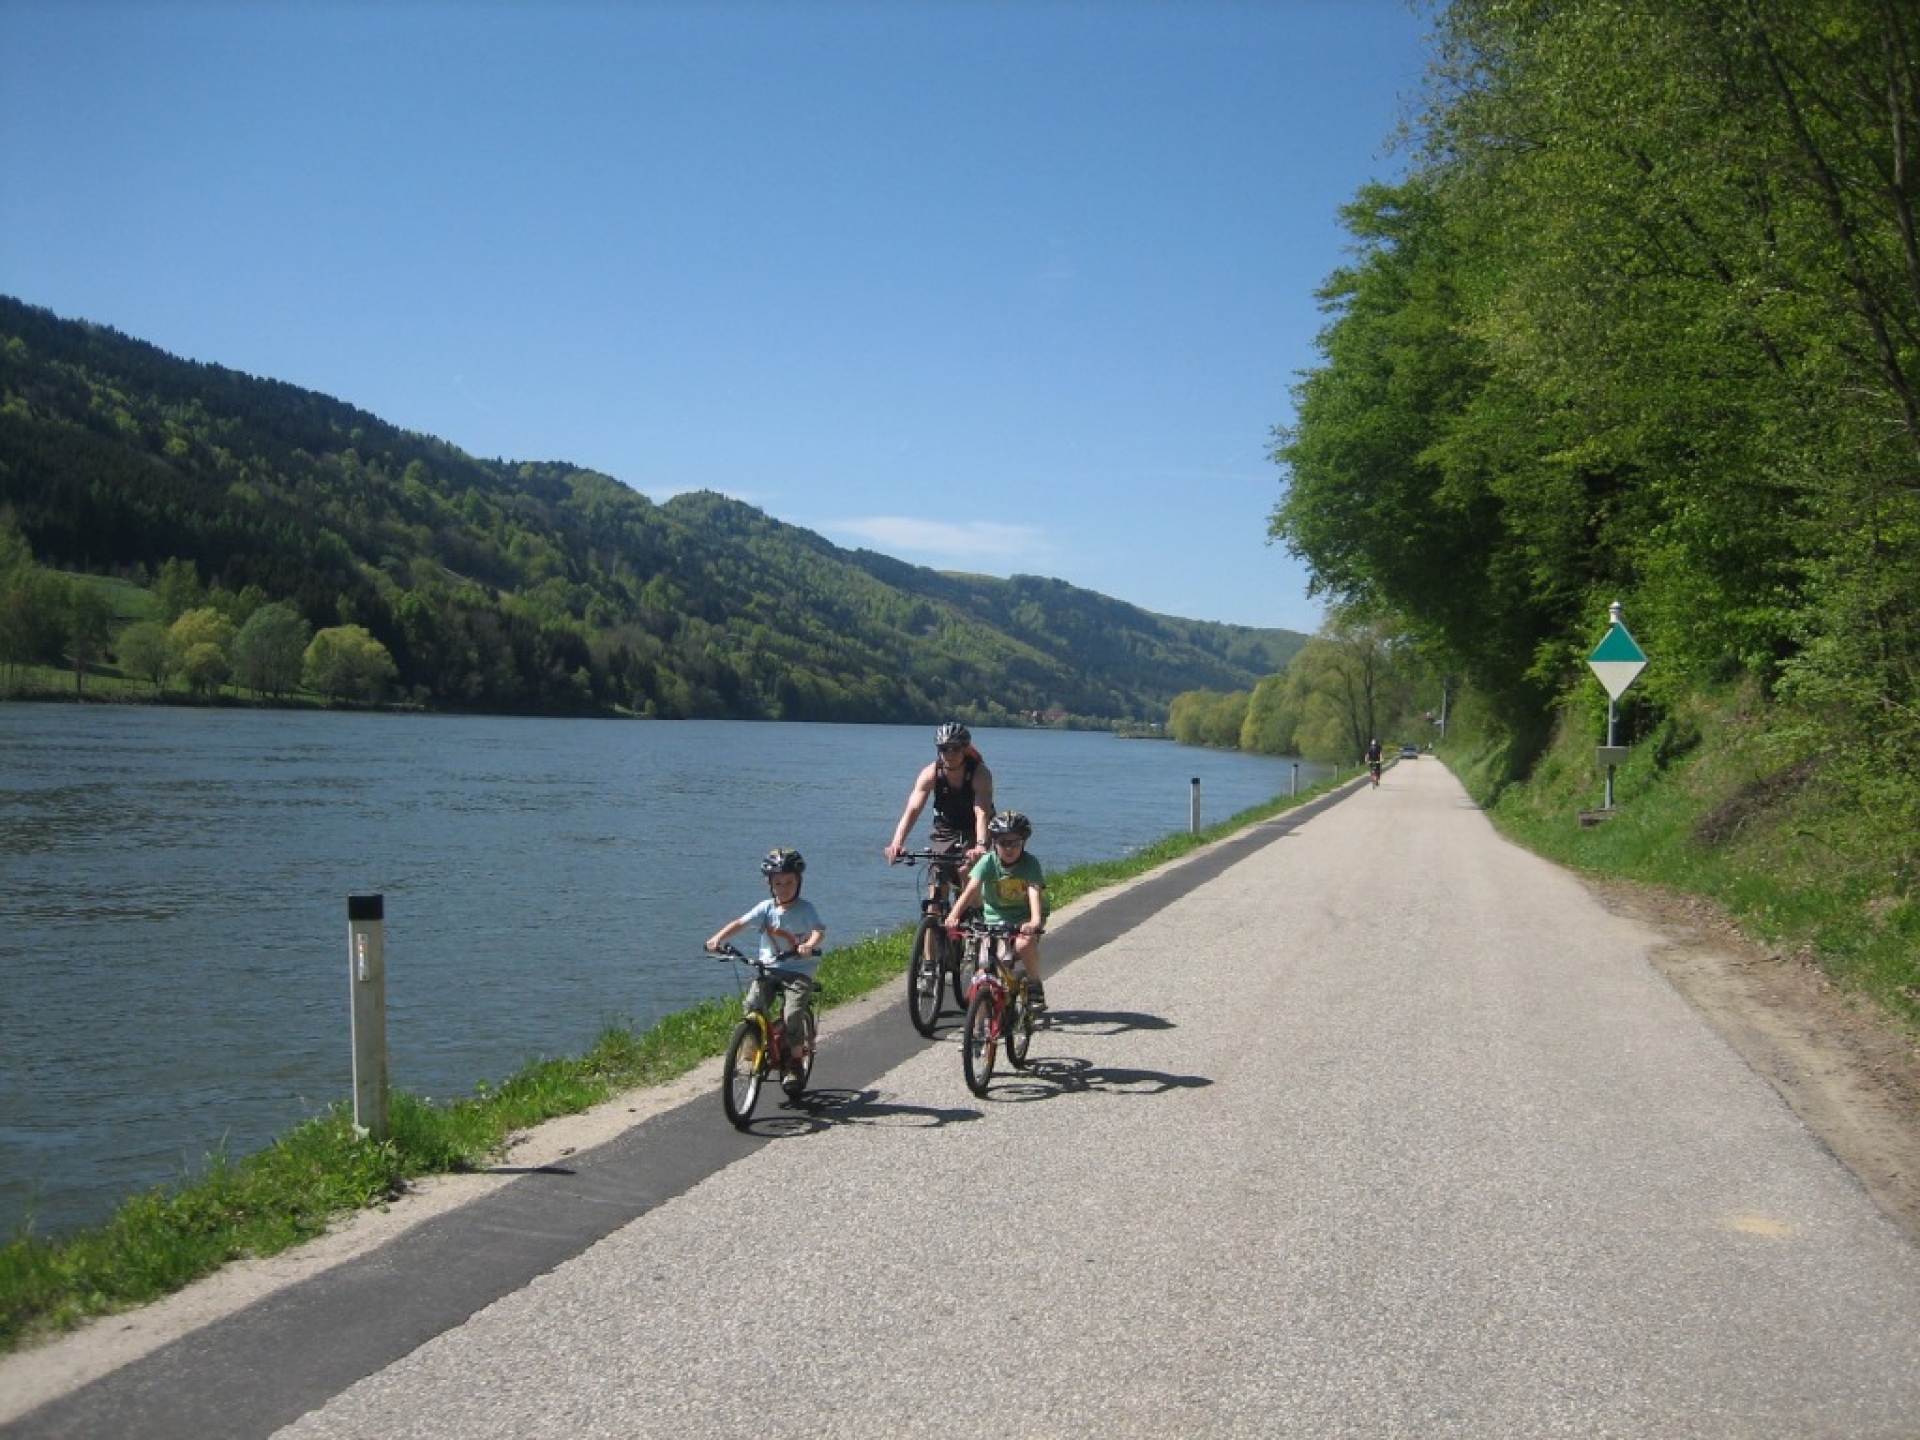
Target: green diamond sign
{"points": [[1617, 660]]}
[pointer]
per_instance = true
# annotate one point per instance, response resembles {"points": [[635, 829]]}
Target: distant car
{"points": [[1409, 752]]}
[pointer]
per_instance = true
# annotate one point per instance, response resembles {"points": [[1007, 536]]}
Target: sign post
{"points": [[1617, 661]]}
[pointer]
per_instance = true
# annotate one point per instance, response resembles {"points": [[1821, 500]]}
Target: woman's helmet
{"points": [[783, 862], [1010, 822], [952, 733]]}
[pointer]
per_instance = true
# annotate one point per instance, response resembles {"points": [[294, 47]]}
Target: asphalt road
{"points": [[1363, 1124]]}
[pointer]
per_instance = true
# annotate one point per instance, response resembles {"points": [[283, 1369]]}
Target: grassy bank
{"points": [[262, 1204]]}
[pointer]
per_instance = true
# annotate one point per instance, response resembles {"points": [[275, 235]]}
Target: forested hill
{"points": [[543, 587]]}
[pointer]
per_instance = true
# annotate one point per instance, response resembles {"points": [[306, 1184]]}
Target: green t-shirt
{"points": [[1003, 889]]}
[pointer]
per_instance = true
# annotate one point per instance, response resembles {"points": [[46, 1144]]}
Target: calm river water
{"points": [[173, 883]]}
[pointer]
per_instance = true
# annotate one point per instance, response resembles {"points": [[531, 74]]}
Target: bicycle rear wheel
{"points": [[1019, 1027], [800, 1037], [923, 974], [746, 1067], [981, 1040]]}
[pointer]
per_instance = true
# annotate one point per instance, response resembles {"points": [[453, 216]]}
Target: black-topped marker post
{"points": [[367, 985]]}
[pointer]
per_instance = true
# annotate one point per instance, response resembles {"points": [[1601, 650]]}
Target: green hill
{"points": [[543, 587]]}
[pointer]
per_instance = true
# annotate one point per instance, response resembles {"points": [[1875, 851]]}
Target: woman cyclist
{"points": [[960, 787]]}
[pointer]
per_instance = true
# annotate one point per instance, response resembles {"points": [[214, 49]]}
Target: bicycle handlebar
{"points": [[933, 857], [730, 952], [993, 932]]}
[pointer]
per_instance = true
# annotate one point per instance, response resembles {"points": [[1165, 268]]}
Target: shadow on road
{"points": [[817, 1110], [1050, 1076]]}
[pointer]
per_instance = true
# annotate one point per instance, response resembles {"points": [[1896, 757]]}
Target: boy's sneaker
{"points": [[1036, 997]]}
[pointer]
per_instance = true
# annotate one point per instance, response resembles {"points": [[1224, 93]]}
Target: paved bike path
{"points": [[254, 1371]]}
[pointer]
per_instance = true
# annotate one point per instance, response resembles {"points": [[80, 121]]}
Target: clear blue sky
{"points": [[985, 285]]}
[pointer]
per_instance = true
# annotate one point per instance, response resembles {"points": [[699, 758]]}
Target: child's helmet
{"points": [[783, 862], [952, 733], [1010, 822]]}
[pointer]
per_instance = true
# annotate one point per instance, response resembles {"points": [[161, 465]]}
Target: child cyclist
{"points": [[785, 922], [1011, 889]]}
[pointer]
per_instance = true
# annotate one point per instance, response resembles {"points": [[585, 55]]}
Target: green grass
{"points": [[264, 1203]]}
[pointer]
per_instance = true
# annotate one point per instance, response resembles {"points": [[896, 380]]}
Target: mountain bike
{"points": [[998, 1012], [935, 959], [768, 1039]]}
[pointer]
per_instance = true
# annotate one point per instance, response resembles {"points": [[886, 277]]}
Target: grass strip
{"points": [[164, 1239]]}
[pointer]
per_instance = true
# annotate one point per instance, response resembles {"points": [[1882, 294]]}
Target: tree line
{"points": [[1641, 323], [202, 641]]}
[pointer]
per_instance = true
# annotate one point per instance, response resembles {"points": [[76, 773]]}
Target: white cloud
{"points": [[973, 540]]}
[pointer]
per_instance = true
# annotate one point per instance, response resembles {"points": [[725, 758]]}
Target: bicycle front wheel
{"points": [[746, 1067], [923, 974], [981, 1041]]}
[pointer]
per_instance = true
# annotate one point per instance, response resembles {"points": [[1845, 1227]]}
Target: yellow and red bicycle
{"points": [[772, 1038]]}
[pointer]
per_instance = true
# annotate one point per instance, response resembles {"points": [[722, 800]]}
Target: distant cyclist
{"points": [[960, 787], [1373, 759], [1012, 889]]}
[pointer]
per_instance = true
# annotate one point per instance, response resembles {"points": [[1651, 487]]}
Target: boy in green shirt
{"points": [[1010, 887]]}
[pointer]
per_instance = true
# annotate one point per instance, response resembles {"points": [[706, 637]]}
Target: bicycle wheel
{"points": [[1019, 1027], [965, 960], [801, 1031], [981, 1040], [746, 1067], [923, 974]]}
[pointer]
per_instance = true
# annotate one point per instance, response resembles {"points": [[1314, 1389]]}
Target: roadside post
{"points": [[367, 987], [1617, 662], [1296, 779], [1193, 819]]}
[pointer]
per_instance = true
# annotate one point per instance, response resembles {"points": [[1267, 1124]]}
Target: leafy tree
{"points": [[178, 588], [346, 662], [270, 649], [205, 666], [145, 649], [89, 626], [202, 626]]}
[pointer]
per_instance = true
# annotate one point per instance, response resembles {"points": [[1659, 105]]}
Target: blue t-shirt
{"points": [[1003, 889], [782, 928]]}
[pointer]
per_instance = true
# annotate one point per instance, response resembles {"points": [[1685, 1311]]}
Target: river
{"points": [[173, 884]]}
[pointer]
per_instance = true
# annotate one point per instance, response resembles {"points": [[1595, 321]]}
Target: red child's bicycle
{"points": [[999, 1012]]}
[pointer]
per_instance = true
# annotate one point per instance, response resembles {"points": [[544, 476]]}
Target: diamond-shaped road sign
{"points": [[1617, 660]]}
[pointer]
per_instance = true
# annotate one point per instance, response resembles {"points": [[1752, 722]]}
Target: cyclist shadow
{"points": [[1047, 1076], [1105, 1022], [820, 1110]]}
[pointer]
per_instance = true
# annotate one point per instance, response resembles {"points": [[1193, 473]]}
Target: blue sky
{"points": [[983, 285]]}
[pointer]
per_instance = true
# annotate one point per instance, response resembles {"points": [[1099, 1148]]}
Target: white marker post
{"points": [[367, 986], [1194, 818], [1617, 660]]}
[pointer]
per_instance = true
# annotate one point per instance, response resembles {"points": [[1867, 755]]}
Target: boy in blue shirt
{"points": [[784, 922]]}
